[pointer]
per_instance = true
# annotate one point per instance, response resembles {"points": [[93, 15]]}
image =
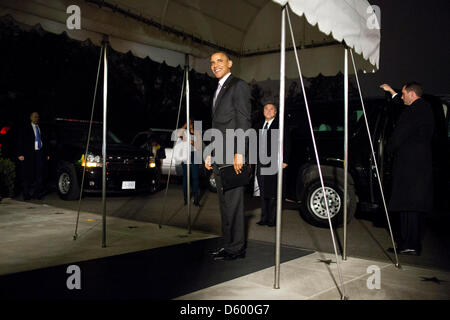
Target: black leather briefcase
{"points": [[230, 179]]}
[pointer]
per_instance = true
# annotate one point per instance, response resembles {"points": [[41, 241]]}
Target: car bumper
{"points": [[138, 180]]}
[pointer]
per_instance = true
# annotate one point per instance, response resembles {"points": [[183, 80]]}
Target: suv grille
{"points": [[117, 163]]}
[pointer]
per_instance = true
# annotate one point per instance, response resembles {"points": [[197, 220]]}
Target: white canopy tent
{"points": [[171, 30], [166, 30]]}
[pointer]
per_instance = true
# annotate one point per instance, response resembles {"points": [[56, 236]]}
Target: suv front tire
{"points": [[67, 183], [313, 208]]}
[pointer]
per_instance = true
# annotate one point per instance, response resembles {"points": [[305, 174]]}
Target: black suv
{"points": [[302, 179], [127, 168]]}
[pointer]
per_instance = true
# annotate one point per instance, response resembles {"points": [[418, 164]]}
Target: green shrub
{"points": [[7, 177]]}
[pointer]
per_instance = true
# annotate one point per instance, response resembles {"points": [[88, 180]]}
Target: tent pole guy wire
{"points": [[397, 264], [75, 236], [343, 297], [171, 157]]}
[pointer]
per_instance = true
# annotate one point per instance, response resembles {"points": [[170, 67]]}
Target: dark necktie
{"points": [[38, 138], [264, 133], [219, 86]]}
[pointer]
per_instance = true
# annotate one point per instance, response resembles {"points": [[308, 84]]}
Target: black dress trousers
{"points": [[232, 214]]}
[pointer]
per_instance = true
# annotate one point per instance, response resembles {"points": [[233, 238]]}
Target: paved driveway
{"points": [[364, 239]]}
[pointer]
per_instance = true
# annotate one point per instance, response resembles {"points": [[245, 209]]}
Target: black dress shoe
{"points": [[410, 252], [220, 255], [224, 255], [216, 251], [271, 224], [406, 252], [261, 223]]}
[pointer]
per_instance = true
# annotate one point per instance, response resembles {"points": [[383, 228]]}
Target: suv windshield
{"points": [[78, 132]]}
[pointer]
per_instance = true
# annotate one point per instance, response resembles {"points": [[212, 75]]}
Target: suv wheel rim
{"points": [[64, 183], [317, 203]]}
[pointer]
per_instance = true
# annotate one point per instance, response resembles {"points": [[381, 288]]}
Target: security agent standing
{"points": [[268, 182], [412, 175], [32, 154], [231, 110]]}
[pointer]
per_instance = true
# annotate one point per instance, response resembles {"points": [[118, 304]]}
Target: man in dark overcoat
{"points": [[412, 173], [267, 181]]}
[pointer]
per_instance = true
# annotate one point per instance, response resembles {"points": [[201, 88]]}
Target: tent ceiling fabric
{"points": [[248, 28]]}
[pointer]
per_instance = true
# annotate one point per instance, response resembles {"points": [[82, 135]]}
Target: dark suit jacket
{"points": [[26, 140], [232, 111], [270, 181], [25, 147], [410, 144]]}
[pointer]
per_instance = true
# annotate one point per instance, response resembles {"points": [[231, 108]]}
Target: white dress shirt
{"points": [[220, 85], [35, 127], [224, 78], [269, 123]]}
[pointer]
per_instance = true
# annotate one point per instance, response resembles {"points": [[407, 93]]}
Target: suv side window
{"points": [[326, 118]]}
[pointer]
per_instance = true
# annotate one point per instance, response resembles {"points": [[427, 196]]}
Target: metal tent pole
{"points": [[280, 148], [188, 135], [105, 113], [344, 256]]}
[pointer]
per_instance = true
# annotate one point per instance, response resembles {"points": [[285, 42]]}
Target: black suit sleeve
{"points": [[405, 128], [242, 108], [242, 105], [396, 99]]}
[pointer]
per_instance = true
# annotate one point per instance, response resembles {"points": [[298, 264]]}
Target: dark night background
{"points": [[56, 75], [415, 45]]}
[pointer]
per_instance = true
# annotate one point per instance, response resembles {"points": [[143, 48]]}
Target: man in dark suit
{"points": [[412, 175], [32, 154], [231, 110], [267, 182]]}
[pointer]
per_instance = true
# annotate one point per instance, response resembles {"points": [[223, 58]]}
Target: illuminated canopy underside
{"points": [[165, 30]]}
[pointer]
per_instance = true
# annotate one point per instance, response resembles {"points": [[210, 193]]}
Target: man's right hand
{"points": [[387, 88], [208, 163], [21, 158]]}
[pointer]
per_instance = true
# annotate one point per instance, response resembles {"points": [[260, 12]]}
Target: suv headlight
{"points": [[92, 161], [152, 162]]}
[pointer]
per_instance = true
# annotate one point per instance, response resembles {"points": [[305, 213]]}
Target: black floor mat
{"points": [[161, 273]]}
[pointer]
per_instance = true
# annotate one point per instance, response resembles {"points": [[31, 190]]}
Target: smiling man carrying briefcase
{"points": [[231, 110]]}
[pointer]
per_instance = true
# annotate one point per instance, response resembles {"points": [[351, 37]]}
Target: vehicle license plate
{"points": [[128, 184]]}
